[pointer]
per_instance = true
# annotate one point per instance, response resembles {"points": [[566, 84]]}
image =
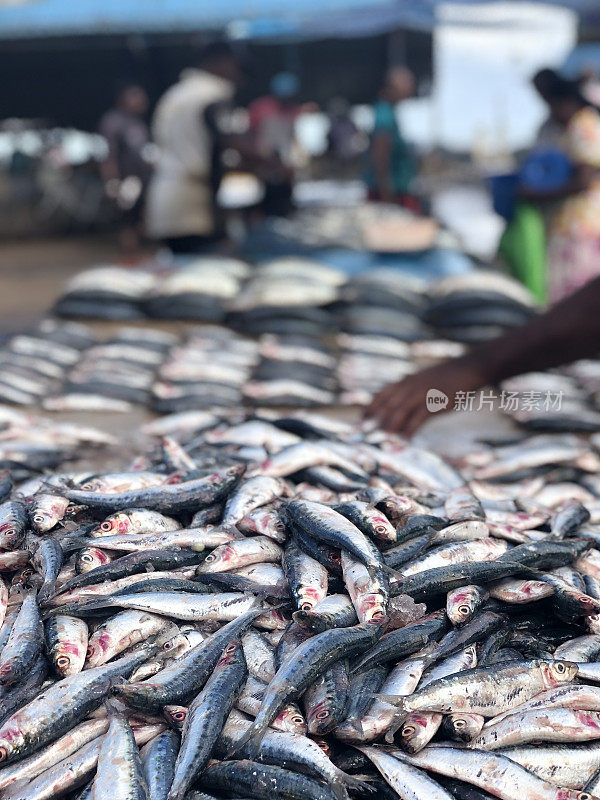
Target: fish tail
{"points": [[393, 573], [250, 742], [392, 699], [398, 721], [358, 782], [46, 592], [339, 790]]}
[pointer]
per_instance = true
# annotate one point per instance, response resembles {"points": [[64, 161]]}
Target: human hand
{"points": [[402, 407]]}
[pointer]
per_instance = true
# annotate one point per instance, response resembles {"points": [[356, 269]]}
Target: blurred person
{"points": [[569, 331], [126, 171], [344, 140], [272, 119], [392, 165], [523, 245], [574, 233], [193, 126]]}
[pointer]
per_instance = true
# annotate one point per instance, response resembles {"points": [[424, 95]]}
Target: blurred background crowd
{"points": [[185, 130]]}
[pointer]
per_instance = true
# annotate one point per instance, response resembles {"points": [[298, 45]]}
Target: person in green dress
{"points": [[392, 165]]}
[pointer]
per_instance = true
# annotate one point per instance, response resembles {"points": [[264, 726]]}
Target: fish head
{"points": [[10, 535], [290, 720], [593, 623], [589, 605], [309, 598], [222, 556], [324, 745], [116, 523], [319, 718], [466, 726], [175, 716], [230, 653], [558, 673], [67, 658], [98, 645], [461, 609], [89, 558], [382, 527]]}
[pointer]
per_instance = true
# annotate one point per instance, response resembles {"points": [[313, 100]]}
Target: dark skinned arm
{"points": [[570, 330]]}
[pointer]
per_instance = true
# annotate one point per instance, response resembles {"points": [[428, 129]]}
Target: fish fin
{"points": [[393, 573], [339, 790], [398, 721], [237, 534], [112, 709], [47, 592], [250, 742], [359, 782], [392, 699]]}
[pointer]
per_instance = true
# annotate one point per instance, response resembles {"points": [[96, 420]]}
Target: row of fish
{"points": [[63, 366], [295, 607], [298, 296]]}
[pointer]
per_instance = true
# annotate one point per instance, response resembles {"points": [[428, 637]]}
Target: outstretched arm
{"points": [[568, 331]]}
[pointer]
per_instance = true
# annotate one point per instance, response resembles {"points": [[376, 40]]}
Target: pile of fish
{"points": [[477, 306], [384, 302], [115, 374], [369, 363], [292, 607], [303, 297], [30, 445], [195, 291], [288, 296], [206, 370], [293, 371], [33, 365]]}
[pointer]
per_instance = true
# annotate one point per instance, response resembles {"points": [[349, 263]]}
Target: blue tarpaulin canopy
{"points": [[298, 19]]}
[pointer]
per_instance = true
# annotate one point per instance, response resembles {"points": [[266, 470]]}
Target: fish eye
{"points": [[585, 599], [10, 532], [87, 486], [106, 526], [63, 662], [3, 753], [459, 723], [560, 667], [87, 557], [408, 730], [38, 518], [297, 720], [179, 716], [322, 714], [305, 606], [210, 557], [381, 529], [229, 649], [168, 645], [464, 610], [584, 796], [90, 651]]}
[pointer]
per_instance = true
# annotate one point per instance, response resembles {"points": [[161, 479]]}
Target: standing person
{"points": [[523, 245], [392, 165], [574, 236], [192, 126], [272, 119], [126, 171]]}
